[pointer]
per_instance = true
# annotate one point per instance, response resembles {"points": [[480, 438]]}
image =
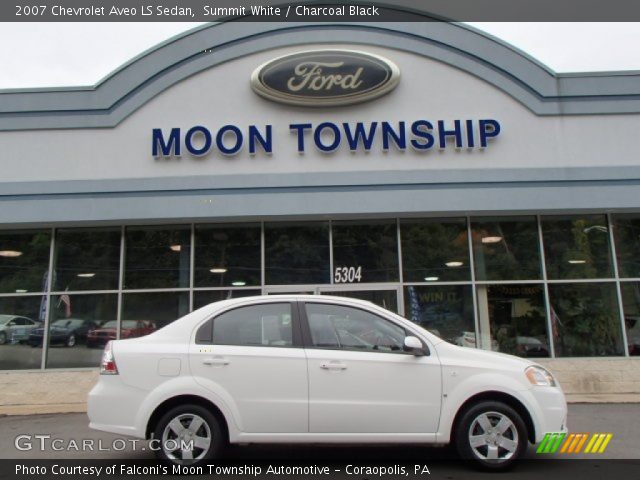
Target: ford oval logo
{"points": [[325, 78]]}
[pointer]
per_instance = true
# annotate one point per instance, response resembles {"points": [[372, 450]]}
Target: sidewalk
{"points": [[82, 407]]}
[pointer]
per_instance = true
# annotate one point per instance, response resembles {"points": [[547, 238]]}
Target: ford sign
{"points": [[325, 78]]}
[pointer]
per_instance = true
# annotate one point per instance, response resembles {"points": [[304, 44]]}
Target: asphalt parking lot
{"points": [[622, 420]]}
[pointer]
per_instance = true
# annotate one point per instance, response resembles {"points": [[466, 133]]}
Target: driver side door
{"points": [[360, 378]]}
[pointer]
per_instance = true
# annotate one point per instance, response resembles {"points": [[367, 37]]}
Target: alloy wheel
{"points": [[186, 439], [493, 437]]}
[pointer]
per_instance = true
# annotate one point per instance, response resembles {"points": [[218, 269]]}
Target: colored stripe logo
{"points": [[558, 442]]}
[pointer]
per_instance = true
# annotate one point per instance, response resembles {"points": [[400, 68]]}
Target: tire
{"points": [[176, 424], [492, 434], [71, 341], [3, 338]]}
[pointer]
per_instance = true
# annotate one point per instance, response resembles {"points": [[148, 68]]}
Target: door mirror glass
{"points": [[414, 345]]}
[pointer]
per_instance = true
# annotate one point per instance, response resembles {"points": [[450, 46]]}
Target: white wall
{"points": [[428, 90]]}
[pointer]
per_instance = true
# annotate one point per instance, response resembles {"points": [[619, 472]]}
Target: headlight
{"points": [[539, 376]]}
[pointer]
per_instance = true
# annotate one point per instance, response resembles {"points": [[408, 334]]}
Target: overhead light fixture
{"points": [[431, 279], [86, 275], [20, 290], [10, 253], [577, 262], [238, 284], [454, 264], [491, 239], [218, 270], [175, 248]]}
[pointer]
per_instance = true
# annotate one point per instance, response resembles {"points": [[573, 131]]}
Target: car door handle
{"points": [[333, 366], [216, 361]]}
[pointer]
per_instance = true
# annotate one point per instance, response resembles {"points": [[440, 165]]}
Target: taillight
{"points": [[108, 365]]}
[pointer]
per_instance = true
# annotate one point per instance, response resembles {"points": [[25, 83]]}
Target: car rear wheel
{"points": [[71, 340], [188, 435], [492, 434]]}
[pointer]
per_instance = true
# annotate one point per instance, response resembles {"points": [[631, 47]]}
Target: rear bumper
{"points": [[112, 406]]}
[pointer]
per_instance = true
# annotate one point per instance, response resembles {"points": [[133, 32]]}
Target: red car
{"points": [[108, 331]]}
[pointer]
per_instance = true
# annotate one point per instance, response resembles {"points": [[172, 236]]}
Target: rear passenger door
{"points": [[252, 356]]}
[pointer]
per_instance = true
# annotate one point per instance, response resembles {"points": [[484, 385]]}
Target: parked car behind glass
{"points": [[65, 331]]}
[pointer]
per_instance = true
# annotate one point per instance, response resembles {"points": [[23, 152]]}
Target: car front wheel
{"points": [[188, 435], [492, 434]]}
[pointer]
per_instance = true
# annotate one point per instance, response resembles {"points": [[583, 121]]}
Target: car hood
{"points": [[454, 354]]}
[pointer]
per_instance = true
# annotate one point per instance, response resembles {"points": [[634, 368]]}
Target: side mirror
{"points": [[414, 345]]}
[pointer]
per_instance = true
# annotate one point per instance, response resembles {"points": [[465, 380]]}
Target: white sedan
{"points": [[318, 369]]}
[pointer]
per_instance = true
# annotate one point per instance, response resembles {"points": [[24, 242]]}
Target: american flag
{"points": [[64, 298]]}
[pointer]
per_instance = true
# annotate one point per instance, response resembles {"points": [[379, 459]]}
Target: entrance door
{"points": [[289, 290], [383, 296]]}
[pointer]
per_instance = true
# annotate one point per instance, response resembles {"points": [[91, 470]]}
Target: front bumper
{"points": [[549, 408]]}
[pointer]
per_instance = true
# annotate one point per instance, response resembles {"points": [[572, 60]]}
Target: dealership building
{"points": [[426, 167]]}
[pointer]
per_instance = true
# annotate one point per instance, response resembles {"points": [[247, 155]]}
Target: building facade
{"points": [[445, 176]]}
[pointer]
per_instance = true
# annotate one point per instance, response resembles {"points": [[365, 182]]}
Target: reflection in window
{"points": [[577, 246], [365, 251], [513, 319], [227, 255], [19, 317], [445, 310], [506, 248], [72, 318], [157, 257], [257, 325], [585, 320], [296, 253], [335, 326], [155, 308], [627, 238], [24, 261], [87, 259], [435, 250], [205, 297], [631, 306], [384, 298]]}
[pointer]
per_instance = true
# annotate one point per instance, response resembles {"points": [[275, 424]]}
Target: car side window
{"points": [[266, 325], [348, 328]]}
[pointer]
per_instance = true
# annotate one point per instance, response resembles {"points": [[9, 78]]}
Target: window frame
{"points": [[308, 341], [296, 333]]}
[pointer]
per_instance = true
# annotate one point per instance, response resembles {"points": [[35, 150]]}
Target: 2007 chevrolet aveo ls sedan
{"points": [[318, 369]]}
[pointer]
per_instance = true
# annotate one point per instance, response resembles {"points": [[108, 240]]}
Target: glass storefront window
{"points": [[577, 247], [227, 255], [627, 237], [384, 298], [585, 320], [506, 248], [19, 317], [157, 257], [73, 319], [445, 310], [24, 261], [156, 309], [205, 297], [296, 253], [631, 306], [87, 259], [365, 251], [435, 250], [514, 319]]}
